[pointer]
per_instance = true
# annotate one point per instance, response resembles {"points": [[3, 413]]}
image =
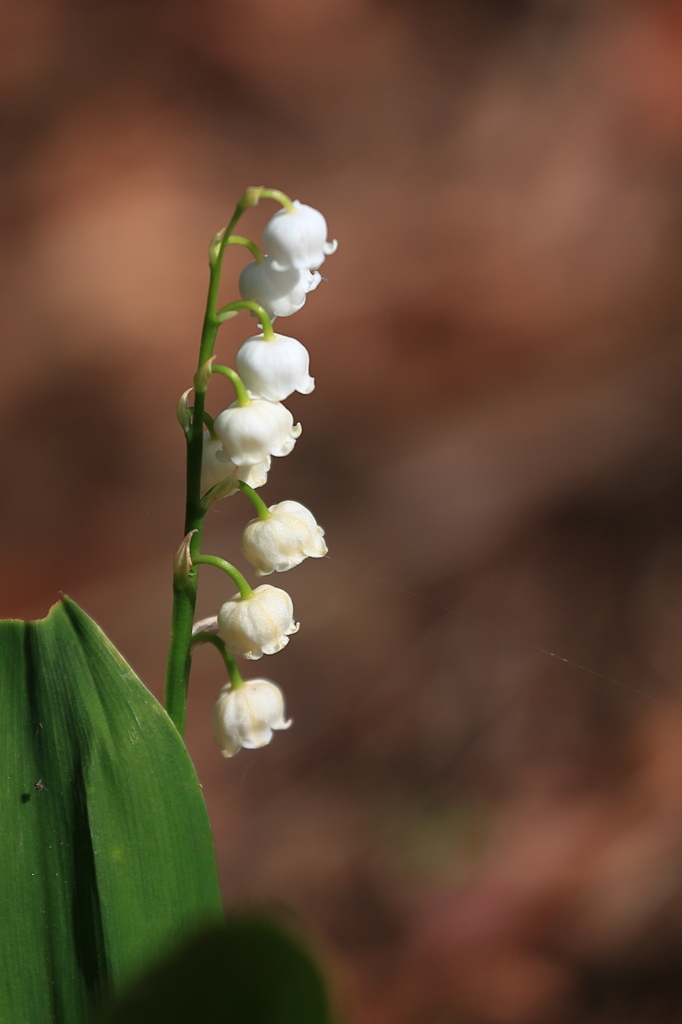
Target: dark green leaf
{"points": [[249, 971], [106, 854]]}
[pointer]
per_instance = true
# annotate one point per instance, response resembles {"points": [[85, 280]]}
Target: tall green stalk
{"points": [[185, 584]]}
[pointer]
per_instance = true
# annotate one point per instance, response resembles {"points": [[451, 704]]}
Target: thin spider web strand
{"points": [[496, 629], [484, 625]]}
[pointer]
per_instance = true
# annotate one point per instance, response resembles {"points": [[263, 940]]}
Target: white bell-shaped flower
{"points": [[284, 539], [217, 467], [249, 433], [247, 715], [298, 238], [274, 368], [259, 624], [279, 292]]}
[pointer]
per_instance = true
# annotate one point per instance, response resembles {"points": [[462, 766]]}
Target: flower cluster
{"points": [[271, 368], [237, 453], [296, 240]]}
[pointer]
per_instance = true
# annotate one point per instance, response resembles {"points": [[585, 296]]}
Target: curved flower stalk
{"points": [[233, 452]]}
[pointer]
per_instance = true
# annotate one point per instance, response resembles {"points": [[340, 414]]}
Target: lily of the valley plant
{"points": [[233, 451]]}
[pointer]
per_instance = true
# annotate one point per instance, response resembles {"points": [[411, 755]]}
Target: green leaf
{"points": [[106, 853], [249, 971]]}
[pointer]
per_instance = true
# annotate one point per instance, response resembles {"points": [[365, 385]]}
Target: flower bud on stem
{"points": [[183, 410], [182, 560], [202, 376]]}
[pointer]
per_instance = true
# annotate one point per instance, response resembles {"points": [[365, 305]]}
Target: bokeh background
{"points": [[471, 828]]}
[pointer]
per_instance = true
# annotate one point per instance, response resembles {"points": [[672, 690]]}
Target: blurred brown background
{"points": [[475, 831]]}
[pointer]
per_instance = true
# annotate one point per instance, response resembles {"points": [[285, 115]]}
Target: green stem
{"points": [[251, 246], [185, 588], [234, 574], [279, 197], [238, 384], [230, 664], [210, 423], [256, 500], [227, 312]]}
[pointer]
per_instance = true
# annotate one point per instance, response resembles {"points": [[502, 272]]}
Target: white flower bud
{"points": [[279, 292], [249, 433], [282, 541], [246, 717], [217, 467], [259, 624], [274, 368], [298, 238]]}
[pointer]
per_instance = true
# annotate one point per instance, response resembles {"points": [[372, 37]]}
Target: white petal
{"points": [[274, 368], [246, 716], [251, 433], [214, 468], [257, 625], [297, 238], [284, 540], [280, 290], [312, 279]]}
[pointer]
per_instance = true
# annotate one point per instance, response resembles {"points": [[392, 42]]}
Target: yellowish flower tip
{"points": [[252, 196]]}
